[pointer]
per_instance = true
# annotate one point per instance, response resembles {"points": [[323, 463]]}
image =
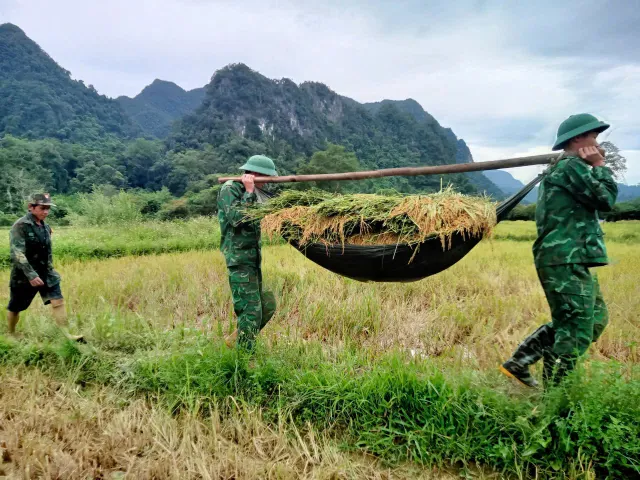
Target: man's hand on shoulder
{"points": [[248, 182], [592, 155]]}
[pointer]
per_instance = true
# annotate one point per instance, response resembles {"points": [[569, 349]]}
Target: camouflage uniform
{"points": [[569, 242], [241, 246], [31, 257]]}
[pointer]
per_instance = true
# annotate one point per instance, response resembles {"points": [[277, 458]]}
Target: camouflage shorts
{"points": [[578, 312], [253, 306], [21, 296]]}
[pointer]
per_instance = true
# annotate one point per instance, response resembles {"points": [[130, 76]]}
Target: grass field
{"points": [[351, 380], [108, 241]]}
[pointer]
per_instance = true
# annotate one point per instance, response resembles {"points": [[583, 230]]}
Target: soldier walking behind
{"points": [[240, 243], [570, 242], [32, 269]]}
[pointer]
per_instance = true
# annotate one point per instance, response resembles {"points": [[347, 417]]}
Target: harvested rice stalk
{"points": [[364, 219], [290, 198]]}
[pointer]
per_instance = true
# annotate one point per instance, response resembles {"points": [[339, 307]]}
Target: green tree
{"points": [[189, 167], [21, 173], [139, 159], [614, 160], [335, 159], [91, 175]]}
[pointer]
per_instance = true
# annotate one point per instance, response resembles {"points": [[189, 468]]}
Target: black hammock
{"points": [[394, 263]]}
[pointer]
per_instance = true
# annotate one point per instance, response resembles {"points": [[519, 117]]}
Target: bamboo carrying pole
{"points": [[409, 171]]}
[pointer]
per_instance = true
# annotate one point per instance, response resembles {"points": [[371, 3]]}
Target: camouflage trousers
{"points": [[579, 315], [253, 306]]}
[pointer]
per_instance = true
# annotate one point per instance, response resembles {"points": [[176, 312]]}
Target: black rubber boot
{"points": [[529, 352]]}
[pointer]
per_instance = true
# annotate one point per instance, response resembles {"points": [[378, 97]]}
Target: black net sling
{"points": [[401, 263]]}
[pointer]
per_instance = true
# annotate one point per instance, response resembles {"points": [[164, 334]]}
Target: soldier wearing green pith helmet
{"points": [[569, 244], [241, 246]]}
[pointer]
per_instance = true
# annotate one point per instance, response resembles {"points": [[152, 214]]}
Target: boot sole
{"points": [[511, 375]]}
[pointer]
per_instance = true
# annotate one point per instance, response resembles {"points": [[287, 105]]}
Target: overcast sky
{"points": [[501, 75]]}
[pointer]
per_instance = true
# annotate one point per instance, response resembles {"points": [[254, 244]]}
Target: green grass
{"points": [[394, 407], [523, 231], [143, 238]]}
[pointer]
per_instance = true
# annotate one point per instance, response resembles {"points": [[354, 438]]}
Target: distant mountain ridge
{"points": [[158, 105], [508, 184], [410, 106], [462, 155]]}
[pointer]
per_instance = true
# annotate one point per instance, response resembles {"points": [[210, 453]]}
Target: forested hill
{"points": [[38, 98], [292, 121], [463, 154], [158, 105]]}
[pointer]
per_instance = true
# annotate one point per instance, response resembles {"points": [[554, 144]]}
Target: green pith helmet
{"points": [[260, 164], [577, 125], [41, 199]]}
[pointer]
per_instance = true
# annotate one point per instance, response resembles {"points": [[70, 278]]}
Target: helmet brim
{"points": [[257, 169], [597, 126]]}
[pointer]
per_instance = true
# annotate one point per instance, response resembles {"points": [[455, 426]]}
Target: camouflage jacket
{"points": [[239, 240], [31, 254], [569, 198]]}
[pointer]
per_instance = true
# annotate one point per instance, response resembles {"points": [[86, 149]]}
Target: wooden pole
{"points": [[409, 171]]}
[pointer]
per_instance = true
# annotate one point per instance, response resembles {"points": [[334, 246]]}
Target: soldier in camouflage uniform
{"points": [[241, 246], [32, 269], [569, 243]]}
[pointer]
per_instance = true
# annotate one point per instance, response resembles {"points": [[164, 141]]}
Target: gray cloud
{"points": [[588, 29]]}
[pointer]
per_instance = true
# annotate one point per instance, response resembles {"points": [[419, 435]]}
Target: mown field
{"points": [[350, 380]]}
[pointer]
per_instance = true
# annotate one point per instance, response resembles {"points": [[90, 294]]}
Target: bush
{"points": [[174, 210], [204, 202], [523, 212], [153, 202], [103, 206], [624, 211], [621, 211], [7, 219]]}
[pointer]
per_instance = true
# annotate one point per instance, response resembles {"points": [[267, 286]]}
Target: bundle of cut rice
{"points": [[364, 219]]}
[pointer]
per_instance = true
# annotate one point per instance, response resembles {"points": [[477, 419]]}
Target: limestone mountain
{"points": [[291, 121]]}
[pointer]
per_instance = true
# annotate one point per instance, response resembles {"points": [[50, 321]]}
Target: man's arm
{"points": [[18, 252], [230, 202], [50, 259], [594, 187]]}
